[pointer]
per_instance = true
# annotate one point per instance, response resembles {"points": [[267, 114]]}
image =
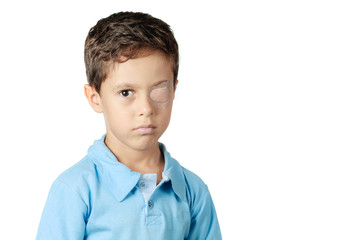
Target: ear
{"points": [[93, 98], [176, 83]]}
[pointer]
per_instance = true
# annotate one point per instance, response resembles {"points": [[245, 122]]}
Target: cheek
{"points": [[164, 118], [116, 115]]}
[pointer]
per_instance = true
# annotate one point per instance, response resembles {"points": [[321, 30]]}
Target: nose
{"points": [[145, 108]]}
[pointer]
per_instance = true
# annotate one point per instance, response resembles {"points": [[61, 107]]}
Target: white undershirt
{"points": [[147, 184]]}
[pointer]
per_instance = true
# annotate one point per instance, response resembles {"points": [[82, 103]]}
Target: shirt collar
{"points": [[174, 172], [121, 180]]}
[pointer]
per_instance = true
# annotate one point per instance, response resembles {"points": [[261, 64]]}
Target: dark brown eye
{"points": [[126, 93]]}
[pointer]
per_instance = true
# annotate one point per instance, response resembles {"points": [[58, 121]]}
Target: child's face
{"points": [[136, 99]]}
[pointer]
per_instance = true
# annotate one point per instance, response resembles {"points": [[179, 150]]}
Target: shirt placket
{"points": [[146, 186]]}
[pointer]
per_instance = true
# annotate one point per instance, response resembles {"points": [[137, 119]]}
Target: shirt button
{"points": [[142, 185], [150, 204]]}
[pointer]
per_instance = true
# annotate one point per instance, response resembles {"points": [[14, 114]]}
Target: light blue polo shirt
{"points": [[101, 199]]}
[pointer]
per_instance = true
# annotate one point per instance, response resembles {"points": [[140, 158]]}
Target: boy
{"points": [[128, 186]]}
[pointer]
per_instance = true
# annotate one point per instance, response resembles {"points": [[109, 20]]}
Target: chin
{"points": [[146, 144]]}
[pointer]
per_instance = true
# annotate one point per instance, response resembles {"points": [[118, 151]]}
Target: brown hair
{"points": [[126, 35]]}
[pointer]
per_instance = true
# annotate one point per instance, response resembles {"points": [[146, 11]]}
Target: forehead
{"points": [[145, 70]]}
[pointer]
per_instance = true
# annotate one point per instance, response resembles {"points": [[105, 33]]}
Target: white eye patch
{"points": [[160, 94]]}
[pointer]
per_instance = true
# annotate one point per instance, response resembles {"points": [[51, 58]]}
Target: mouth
{"points": [[145, 129]]}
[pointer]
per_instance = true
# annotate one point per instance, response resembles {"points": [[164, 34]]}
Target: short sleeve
{"points": [[204, 222], [64, 215]]}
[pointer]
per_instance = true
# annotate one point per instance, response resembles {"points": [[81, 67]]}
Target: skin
{"points": [[126, 104]]}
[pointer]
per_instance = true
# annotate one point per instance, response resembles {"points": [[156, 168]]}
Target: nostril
{"points": [[146, 108]]}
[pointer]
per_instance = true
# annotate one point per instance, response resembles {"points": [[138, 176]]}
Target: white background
{"points": [[266, 112]]}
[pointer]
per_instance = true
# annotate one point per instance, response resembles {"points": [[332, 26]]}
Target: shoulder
{"points": [[196, 189], [78, 179], [204, 223], [193, 181], [81, 171]]}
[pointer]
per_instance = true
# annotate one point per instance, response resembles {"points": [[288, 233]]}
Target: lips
{"points": [[145, 129]]}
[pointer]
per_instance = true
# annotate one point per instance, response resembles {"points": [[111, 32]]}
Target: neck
{"points": [[143, 161]]}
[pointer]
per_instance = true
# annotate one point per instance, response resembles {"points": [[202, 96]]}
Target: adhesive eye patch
{"points": [[160, 94]]}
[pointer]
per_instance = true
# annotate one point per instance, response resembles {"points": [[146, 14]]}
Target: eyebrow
{"points": [[131, 86]]}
